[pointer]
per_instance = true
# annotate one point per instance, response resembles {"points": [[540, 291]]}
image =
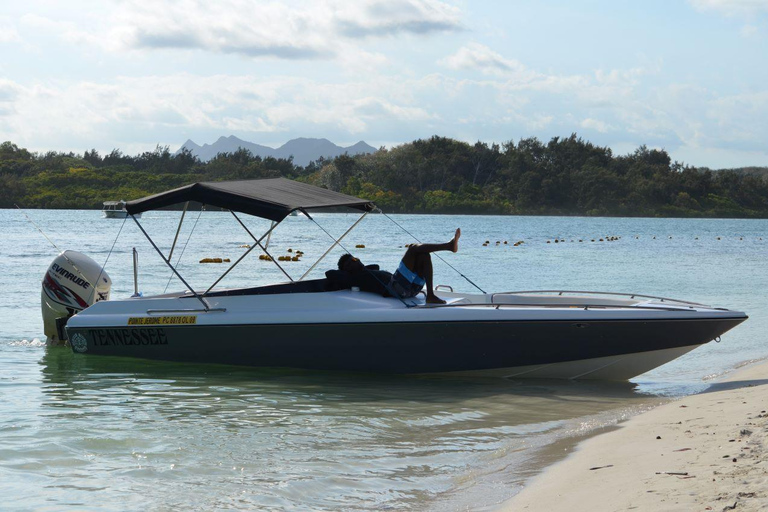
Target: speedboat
{"points": [[313, 325], [114, 210]]}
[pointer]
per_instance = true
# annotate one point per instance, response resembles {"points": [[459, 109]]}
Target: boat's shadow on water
{"points": [[80, 377]]}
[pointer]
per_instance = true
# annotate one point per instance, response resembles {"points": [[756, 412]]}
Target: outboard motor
{"points": [[72, 283]]}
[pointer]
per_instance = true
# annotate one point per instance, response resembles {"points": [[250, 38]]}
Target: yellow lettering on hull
{"points": [[163, 320]]}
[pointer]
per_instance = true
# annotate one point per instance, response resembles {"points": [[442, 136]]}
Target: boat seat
{"points": [[309, 286]]}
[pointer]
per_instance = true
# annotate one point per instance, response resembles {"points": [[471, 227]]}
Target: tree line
{"points": [[565, 176]]}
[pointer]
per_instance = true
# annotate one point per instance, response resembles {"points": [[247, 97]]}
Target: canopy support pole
{"points": [[178, 230], [335, 243], [167, 262], [258, 242], [246, 253]]}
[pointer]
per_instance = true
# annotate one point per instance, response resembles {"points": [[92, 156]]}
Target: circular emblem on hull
{"points": [[79, 343]]}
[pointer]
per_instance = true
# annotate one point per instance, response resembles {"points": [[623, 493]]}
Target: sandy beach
{"points": [[702, 452]]}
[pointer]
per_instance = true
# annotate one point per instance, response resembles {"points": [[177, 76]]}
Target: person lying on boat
{"points": [[414, 271]]}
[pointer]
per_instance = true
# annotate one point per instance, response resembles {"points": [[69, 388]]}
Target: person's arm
{"points": [[375, 281], [338, 279]]}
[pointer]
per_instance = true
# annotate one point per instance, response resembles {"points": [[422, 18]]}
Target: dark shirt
{"points": [[369, 280], [375, 281]]}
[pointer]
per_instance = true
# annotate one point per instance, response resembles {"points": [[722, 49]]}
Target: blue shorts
{"points": [[405, 282]]}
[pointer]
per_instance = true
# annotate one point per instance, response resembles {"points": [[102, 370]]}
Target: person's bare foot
{"points": [[455, 241], [434, 299]]}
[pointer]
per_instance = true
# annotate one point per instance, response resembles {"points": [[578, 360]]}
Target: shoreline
{"points": [[701, 452], [448, 214]]}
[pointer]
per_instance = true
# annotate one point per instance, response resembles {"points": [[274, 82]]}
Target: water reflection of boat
{"points": [[312, 325]]}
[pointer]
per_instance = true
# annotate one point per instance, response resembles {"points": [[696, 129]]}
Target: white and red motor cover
{"points": [[72, 282]]}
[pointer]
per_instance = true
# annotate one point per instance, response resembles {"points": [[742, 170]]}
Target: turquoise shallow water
{"points": [[112, 434]]}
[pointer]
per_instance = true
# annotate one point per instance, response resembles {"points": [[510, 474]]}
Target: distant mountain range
{"points": [[303, 150]]}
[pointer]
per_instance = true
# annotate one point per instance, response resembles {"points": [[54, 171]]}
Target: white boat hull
{"points": [[117, 214], [514, 337], [618, 367]]}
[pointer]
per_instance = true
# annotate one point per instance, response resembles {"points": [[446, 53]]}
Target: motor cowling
{"points": [[72, 282]]}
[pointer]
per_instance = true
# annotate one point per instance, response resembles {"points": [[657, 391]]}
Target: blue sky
{"points": [[689, 76]]}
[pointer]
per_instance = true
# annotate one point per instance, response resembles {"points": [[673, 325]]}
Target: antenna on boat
{"points": [[63, 253], [435, 254], [38, 228]]}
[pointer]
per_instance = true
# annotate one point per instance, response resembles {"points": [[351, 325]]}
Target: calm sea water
{"points": [[91, 433]]}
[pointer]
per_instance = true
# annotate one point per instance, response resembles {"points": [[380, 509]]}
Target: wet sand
{"points": [[702, 452]]}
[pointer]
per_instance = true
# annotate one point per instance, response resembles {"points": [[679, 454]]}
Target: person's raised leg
{"points": [[452, 245], [417, 258], [423, 267]]}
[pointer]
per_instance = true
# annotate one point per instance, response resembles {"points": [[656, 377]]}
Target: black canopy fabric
{"points": [[270, 199]]}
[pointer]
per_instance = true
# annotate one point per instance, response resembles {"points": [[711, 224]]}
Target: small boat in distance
{"points": [[114, 210]]}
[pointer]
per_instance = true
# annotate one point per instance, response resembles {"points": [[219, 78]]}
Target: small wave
{"points": [[721, 375], [34, 342], [749, 362]]}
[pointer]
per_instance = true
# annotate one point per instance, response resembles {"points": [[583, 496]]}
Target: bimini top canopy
{"points": [[271, 199]]}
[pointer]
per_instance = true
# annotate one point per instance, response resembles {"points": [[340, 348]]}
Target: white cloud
{"points": [[538, 121], [303, 30], [232, 26], [734, 118], [732, 7], [362, 61], [750, 12], [8, 32], [87, 112], [487, 94], [393, 17], [8, 90], [374, 108], [749, 30], [66, 30], [161, 107], [479, 57], [597, 125]]}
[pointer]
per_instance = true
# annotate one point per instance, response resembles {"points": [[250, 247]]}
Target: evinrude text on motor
{"points": [[72, 283]]}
